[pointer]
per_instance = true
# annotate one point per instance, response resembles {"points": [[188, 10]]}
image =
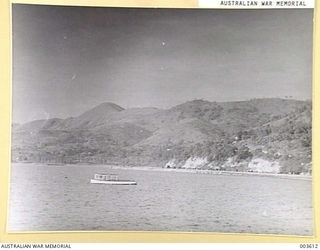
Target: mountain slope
{"points": [[222, 134]]}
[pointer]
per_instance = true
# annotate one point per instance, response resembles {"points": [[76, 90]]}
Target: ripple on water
{"points": [[167, 201]]}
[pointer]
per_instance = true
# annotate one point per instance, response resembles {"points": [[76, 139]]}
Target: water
{"points": [[53, 198]]}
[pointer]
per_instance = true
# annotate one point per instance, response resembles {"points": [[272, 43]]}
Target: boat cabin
{"points": [[106, 177]]}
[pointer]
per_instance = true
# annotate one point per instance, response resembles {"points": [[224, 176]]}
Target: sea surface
{"points": [[53, 198]]}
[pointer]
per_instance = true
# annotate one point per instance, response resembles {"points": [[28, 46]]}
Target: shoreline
{"points": [[184, 170], [215, 172]]}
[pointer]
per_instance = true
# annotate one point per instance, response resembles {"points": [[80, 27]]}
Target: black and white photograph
{"points": [[161, 119]]}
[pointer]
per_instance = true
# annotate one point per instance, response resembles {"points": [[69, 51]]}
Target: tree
{"points": [[244, 153]]}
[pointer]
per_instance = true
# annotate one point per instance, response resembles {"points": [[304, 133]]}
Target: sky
{"points": [[67, 60]]}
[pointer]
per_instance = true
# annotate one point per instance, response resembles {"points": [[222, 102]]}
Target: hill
{"points": [[266, 135]]}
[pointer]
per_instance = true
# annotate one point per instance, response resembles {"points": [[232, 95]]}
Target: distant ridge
{"points": [[106, 106]]}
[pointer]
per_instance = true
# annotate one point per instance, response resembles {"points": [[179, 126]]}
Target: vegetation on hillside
{"points": [[275, 130]]}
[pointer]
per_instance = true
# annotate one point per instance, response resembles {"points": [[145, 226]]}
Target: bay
{"points": [[53, 198]]}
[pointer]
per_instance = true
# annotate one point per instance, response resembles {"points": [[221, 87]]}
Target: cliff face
{"points": [[268, 135]]}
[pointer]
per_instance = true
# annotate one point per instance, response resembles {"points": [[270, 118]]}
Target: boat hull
{"points": [[119, 182]]}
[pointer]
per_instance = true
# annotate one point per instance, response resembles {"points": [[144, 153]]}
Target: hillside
{"points": [[260, 135]]}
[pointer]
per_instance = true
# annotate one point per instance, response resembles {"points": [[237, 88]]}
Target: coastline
{"points": [[212, 172], [184, 170]]}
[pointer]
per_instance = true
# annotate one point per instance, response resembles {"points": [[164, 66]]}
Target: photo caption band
{"points": [[256, 4]]}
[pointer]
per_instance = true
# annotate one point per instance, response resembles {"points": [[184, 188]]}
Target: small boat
{"points": [[110, 179]]}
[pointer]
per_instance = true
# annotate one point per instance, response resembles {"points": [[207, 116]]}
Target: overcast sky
{"points": [[69, 59]]}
